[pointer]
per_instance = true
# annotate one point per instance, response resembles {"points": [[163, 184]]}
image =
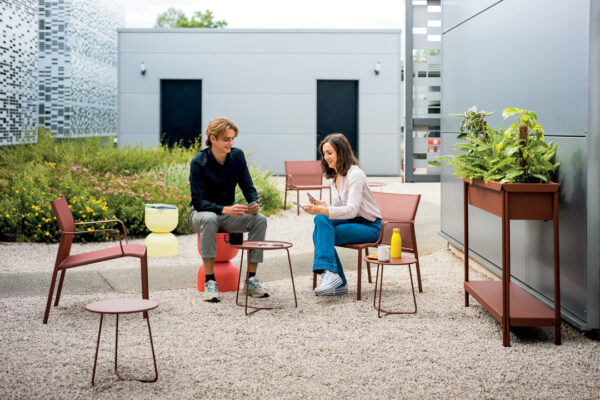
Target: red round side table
{"points": [[122, 306]]}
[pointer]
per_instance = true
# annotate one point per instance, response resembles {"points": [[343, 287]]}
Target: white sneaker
{"points": [[329, 282], [211, 293], [339, 291], [255, 288]]}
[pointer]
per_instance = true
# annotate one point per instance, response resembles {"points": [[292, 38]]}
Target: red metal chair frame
{"points": [[64, 259], [303, 175], [397, 211]]}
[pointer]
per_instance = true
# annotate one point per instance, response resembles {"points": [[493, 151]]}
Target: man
{"points": [[214, 173]]}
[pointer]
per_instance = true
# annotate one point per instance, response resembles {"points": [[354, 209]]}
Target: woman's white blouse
{"points": [[354, 199]]}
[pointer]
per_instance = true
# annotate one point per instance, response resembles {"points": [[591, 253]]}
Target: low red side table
{"points": [[122, 306], [393, 261], [261, 245]]}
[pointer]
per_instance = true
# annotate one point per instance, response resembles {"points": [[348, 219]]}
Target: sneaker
{"points": [[339, 291], [211, 293], [255, 289], [329, 282]]}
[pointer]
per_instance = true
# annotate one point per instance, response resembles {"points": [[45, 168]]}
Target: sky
{"points": [[277, 14]]}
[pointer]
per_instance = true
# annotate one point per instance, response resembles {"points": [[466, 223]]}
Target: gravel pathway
{"points": [[326, 347]]}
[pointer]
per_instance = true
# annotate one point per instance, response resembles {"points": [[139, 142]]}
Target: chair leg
{"points": [[145, 290], [314, 280], [368, 266], [419, 275], [359, 268], [50, 293], [60, 285], [330, 196], [298, 201], [320, 194], [284, 199]]}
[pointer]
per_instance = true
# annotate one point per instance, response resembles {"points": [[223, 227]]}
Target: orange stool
{"points": [[226, 273]]}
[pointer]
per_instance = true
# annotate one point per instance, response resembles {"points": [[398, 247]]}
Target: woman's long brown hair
{"points": [[345, 155]]}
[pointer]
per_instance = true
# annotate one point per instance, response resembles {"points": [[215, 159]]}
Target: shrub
{"points": [[100, 182]]}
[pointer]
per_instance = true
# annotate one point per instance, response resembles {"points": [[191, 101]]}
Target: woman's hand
{"points": [[316, 202], [314, 209]]}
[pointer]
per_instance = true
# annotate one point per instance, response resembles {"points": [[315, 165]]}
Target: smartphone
{"points": [[310, 196], [251, 204]]}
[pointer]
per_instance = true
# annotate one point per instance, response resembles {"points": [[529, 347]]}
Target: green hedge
{"points": [[100, 182]]}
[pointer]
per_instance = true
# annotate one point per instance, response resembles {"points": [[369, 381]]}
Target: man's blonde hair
{"points": [[218, 128]]}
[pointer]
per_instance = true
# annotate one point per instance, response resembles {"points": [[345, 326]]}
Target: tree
{"points": [[173, 18]]}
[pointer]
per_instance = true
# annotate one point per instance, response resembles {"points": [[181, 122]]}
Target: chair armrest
{"points": [[114, 231], [104, 222]]}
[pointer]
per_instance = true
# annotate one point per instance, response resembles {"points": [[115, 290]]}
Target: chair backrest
{"points": [[396, 207], [303, 173], [66, 223]]}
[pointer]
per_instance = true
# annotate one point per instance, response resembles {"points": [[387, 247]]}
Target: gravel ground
{"points": [[326, 347]]}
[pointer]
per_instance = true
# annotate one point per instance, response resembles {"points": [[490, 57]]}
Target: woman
{"points": [[353, 217]]}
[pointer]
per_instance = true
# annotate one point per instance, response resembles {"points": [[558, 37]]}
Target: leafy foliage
{"points": [[173, 18], [518, 154], [100, 182]]}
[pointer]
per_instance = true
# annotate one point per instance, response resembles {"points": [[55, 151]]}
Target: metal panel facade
{"points": [[541, 64], [266, 81]]}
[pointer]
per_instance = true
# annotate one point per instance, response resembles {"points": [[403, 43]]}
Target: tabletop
{"points": [[262, 245], [121, 306], [392, 261]]}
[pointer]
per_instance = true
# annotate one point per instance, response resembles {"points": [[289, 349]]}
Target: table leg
{"points": [[153, 356], [117, 346], [292, 276], [385, 312], [97, 346]]}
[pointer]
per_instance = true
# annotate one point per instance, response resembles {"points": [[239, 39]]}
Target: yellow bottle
{"points": [[396, 245]]}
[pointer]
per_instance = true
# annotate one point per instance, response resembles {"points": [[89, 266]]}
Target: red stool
{"points": [[226, 273]]}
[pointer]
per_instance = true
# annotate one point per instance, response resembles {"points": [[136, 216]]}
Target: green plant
{"points": [[518, 154], [100, 182], [269, 197]]}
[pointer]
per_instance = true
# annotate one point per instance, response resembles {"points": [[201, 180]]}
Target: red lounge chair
{"points": [[304, 175], [397, 211], [65, 260]]}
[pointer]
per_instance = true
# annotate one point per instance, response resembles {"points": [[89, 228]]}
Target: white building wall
{"points": [[266, 82]]}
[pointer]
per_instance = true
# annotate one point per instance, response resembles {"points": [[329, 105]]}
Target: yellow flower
{"points": [[7, 215], [17, 191], [90, 229], [24, 189], [47, 233], [36, 214]]}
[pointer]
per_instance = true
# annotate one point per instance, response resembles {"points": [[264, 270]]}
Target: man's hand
{"points": [[253, 208], [235, 210]]}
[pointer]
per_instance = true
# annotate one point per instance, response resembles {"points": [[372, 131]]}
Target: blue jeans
{"points": [[329, 233]]}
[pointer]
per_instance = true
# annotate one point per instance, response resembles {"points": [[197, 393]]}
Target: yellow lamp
{"points": [[161, 219]]}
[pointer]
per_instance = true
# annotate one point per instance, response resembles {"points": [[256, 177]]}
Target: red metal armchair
{"points": [[304, 175], [64, 259], [397, 211]]}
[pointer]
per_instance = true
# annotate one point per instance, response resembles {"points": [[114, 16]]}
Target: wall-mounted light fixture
{"points": [[377, 68], [143, 68]]}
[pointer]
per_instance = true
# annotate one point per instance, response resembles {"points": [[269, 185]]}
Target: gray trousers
{"points": [[207, 224]]}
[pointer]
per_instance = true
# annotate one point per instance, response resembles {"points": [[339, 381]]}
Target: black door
{"points": [[180, 111], [337, 110]]}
